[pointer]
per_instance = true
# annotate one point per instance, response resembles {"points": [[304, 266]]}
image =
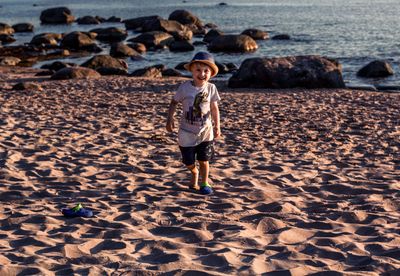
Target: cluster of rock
{"points": [[103, 65], [177, 31], [7, 31], [175, 34], [63, 15]]}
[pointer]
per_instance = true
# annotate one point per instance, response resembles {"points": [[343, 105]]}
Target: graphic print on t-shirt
{"points": [[195, 115]]}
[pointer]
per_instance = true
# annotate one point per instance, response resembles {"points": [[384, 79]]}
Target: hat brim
{"points": [[214, 68]]}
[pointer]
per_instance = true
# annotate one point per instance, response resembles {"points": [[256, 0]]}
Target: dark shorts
{"points": [[202, 152]]}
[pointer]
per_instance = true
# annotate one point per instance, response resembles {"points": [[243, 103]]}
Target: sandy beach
{"points": [[306, 181]]}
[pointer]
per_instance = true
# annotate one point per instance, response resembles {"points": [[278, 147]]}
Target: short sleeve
{"points": [[214, 94], [179, 95]]}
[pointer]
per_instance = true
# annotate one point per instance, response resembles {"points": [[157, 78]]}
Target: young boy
{"points": [[199, 100]]}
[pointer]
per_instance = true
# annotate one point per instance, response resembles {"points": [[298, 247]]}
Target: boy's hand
{"points": [[215, 118], [170, 118], [217, 132], [170, 125]]}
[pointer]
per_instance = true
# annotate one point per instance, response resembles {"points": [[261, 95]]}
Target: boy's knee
{"points": [[191, 167], [203, 163]]}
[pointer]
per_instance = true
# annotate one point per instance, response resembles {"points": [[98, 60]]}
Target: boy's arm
{"points": [[215, 118], [170, 119]]}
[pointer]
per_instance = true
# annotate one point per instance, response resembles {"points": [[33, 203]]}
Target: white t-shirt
{"points": [[195, 124]]}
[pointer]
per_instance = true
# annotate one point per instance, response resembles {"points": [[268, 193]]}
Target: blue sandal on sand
{"points": [[206, 189], [77, 211]]}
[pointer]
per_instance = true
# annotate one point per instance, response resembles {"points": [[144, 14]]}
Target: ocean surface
{"points": [[354, 32]]}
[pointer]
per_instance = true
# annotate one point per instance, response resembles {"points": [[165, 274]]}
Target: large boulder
{"points": [[6, 29], [59, 15], [176, 29], [155, 40], [288, 72], [376, 69], [213, 33], [80, 41], [148, 72], [137, 24], [256, 34], [106, 64], [233, 43], [111, 34], [46, 39], [23, 28], [75, 73], [185, 17], [120, 50], [189, 19]]}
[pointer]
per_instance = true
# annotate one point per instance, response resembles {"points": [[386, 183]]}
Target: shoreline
{"points": [[305, 181], [221, 83]]}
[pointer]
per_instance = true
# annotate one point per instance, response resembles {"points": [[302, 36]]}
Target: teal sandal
{"points": [[206, 189], [77, 211]]}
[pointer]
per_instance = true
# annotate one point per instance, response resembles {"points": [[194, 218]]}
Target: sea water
{"points": [[354, 32]]}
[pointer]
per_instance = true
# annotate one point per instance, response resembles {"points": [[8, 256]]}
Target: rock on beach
{"points": [[153, 40], [376, 69], [23, 28], [233, 43], [80, 41], [6, 29], [111, 34], [75, 73], [288, 72], [106, 65], [58, 15], [256, 34]]}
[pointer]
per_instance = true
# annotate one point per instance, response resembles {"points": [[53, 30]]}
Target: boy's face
{"points": [[201, 73]]}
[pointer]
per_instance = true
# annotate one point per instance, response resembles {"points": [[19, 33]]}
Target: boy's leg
{"points": [[188, 158], [204, 154], [195, 177], [204, 171]]}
